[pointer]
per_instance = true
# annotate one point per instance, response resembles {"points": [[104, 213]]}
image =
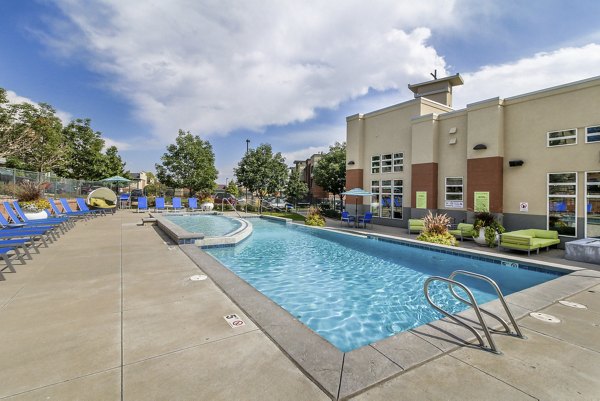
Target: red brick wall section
{"points": [[485, 175], [425, 178], [354, 179]]}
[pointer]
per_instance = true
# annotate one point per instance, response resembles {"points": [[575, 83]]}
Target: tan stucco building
{"points": [[532, 159]]}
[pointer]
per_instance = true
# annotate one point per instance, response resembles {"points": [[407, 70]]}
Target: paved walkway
{"points": [[109, 312]]}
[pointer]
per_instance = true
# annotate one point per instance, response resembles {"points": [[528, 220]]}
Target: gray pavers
{"points": [[109, 312]]}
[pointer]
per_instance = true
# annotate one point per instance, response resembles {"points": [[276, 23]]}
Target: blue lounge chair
{"points": [[50, 220], [142, 204], [365, 219], [58, 213], [160, 204], [46, 222], [5, 256], [84, 207], [192, 204], [177, 203], [124, 201], [44, 227], [21, 243], [347, 218], [24, 233], [70, 212]]}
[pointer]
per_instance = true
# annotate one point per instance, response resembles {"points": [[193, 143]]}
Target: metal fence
{"points": [[54, 185]]}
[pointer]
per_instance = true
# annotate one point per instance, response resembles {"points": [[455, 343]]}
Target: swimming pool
{"points": [[209, 225], [354, 291]]}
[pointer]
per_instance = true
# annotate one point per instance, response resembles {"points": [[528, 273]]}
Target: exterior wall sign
{"points": [[482, 201], [454, 204], [421, 200], [523, 207]]}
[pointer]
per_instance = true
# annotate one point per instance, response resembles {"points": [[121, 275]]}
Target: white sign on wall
{"points": [[454, 204], [523, 207]]}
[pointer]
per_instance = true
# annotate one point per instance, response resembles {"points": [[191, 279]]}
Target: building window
{"points": [[561, 138], [375, 162], [562, 205], [454, 192], [398, 162], [592, 134], [387, 199], [386, 163], [592, 204]]}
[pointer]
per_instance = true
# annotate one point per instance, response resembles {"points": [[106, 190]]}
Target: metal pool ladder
{"points": [[473, 303]]}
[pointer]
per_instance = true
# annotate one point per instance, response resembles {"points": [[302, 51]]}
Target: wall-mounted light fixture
{"points": [[515, 163], [479, 146], [351, 163]]}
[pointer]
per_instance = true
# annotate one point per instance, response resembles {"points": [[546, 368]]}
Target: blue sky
{"points": [[280, 72]]}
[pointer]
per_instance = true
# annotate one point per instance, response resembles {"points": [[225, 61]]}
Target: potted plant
{"points": [[207, 202], [488, 227], [30, 196]]}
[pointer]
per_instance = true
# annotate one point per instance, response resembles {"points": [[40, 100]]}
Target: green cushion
{"points": [[416, 222], [99, 202]]}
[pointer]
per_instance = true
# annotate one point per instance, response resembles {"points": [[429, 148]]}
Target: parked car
{"points": [[278, 203], [135, 194], [221, 196]]}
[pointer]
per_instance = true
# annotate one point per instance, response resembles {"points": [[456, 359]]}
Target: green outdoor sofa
{"points": [[529, 240], [415, 225], [464, 230]]}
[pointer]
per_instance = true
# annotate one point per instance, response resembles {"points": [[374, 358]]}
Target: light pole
{"points": [[247, 145]]}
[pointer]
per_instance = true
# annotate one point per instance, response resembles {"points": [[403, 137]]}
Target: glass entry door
{"points": [[592, 205]]}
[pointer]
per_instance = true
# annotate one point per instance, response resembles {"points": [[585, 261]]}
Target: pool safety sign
{"points": [[234, 320]]}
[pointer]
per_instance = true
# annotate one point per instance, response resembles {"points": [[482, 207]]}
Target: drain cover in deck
{"points": [[572, 304], [198, 277], [545, 317]]}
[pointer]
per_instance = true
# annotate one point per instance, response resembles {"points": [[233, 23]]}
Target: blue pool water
{"points": [[354, 291], [209, 225]]}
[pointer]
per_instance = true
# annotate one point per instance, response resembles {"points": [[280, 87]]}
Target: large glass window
{"points": [[397, 198], [592, 134], [562, 209], [592, 204], [454, 192], [561, 138], [386, 163], [387, 199], [375, 208], [375, 162], [398, 162]]}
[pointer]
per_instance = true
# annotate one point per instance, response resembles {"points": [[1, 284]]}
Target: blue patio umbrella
{"points": [[357, 192]]}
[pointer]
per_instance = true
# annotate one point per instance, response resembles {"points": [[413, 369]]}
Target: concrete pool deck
{"points": [[109, 312]]}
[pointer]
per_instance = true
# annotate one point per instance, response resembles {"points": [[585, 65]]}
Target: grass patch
{"points": [[286, 215]]}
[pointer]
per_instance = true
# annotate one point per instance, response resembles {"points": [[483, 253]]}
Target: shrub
{"points": [[28, 191], [436, 230], [333, 214], [314, 218]]}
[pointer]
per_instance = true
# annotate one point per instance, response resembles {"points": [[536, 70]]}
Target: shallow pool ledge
{"points": [[182, 236]]}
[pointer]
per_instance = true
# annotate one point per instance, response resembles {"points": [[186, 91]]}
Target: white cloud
{"points": [[108, 142], [538, 72], [215, 67], [14, 98]]}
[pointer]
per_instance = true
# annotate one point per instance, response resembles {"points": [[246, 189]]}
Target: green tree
{"points": [[232, 188], [189, 163], [330, 171], [113, 164], [262, 172], [296, 188], [47, 151], [12, 141], [85, 160]]}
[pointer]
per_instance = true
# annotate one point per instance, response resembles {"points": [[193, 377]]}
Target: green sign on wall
{"points": [[421, 200], [482, 201]]}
